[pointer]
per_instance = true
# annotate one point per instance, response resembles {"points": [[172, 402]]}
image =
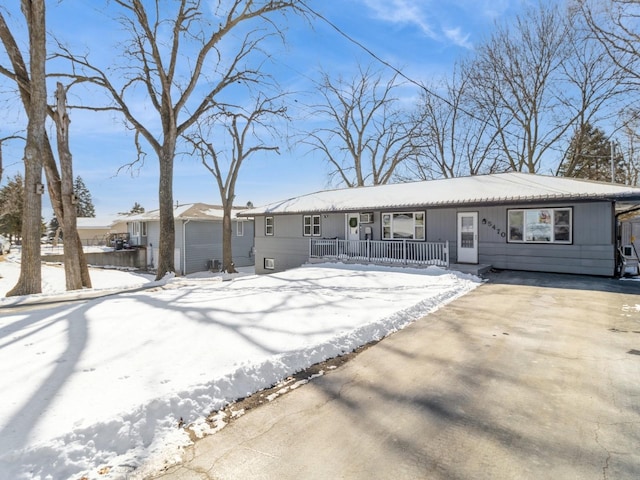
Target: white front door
{"points": [[353, 226], [468, 237]]}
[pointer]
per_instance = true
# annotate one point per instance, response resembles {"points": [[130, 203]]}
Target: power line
{"points": [[386, 63]]}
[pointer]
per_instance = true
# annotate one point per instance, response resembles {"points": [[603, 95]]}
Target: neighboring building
{"points": [[198, 231], [511, 221], [94, 231], [630, 231], [630, 242]]}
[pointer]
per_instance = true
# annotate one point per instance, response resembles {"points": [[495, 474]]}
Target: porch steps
{"points": [[474, 269]]}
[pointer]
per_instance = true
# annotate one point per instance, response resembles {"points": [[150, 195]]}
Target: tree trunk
{"points": [[54, 187], [227, 252], [167, 242], [30, 280], [69, 224], [23, 82]]}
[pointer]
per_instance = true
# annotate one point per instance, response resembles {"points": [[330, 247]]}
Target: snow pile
{"points": [[97, 389]]}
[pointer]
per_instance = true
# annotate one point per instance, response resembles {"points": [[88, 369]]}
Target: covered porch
{"points": [[399, 252]]}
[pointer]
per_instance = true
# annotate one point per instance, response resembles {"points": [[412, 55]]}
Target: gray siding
{"points": [[592, 251], [242, 247], [200, 245], [287, 247], [332, 225], [204, 243]]}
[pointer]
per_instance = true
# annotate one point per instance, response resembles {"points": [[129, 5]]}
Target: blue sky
{"points": [[423, 38]]}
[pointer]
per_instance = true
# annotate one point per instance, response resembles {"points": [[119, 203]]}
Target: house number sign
{"points": [[492, 226]]}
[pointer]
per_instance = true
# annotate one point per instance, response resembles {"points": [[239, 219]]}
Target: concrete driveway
{"points": [[530, 376]]}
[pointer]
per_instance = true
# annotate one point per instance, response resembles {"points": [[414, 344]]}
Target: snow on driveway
{"points": [[96, 389]]}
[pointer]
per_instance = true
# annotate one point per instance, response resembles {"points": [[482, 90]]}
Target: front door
{"points": [[468, 237], [353, 226]]}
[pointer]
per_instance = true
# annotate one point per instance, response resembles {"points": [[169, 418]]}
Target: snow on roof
{"points": [[479, 189], [102, 221], [188, 211]]}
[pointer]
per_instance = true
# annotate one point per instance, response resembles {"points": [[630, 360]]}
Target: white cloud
{"points": [[428, 17], [458, 37], [402, 12]]}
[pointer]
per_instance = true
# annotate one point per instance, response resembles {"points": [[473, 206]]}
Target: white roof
{"points": [[102, 221], [189, 211], [479, 189]]}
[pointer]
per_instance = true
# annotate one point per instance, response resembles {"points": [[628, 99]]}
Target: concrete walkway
{"points": [[530, 376]]}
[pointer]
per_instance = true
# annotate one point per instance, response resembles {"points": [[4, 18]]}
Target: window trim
{"points": [[138, 229], [415, 226], [313, 228], [269, 226], [239, 228], [269, 263], [366, 217], [552, 222]]}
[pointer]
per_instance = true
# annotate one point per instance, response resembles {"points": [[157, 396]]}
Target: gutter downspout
{"points": [[184, 245]]}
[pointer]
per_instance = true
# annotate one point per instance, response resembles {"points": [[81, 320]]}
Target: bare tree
{"points": [[177, 57], [2, 141], [630, 146], [17, 72], [599, 87], [365, 134], [69, 226], [30, 280], [517, 75], [245, 129], [615, 24], [455, 142], [539, 82]]}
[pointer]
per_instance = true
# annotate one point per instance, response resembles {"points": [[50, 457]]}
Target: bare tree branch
{"points": [[246, 130], [174, 87], [367, 136]]}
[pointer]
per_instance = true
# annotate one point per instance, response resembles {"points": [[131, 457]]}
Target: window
{"points": [[311, 225], [139, 229], [268, 226], [403, 226], [239, 229], [269, 264], [366, 217], [540, 225]]}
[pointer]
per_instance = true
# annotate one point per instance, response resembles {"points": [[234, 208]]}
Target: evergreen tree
{"points": [[589, 157], [54, 225], [11, 196], [137, 208], [84, 203]]}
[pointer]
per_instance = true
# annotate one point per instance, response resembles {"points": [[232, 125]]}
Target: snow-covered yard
{"points": [[96, 389]]}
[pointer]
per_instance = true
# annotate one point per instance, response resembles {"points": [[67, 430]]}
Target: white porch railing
{"points": [[404, 252]]}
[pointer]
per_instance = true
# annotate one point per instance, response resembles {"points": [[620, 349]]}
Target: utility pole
{"points": [[613, 165]]}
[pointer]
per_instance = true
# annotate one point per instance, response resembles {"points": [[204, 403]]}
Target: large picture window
{"points": [[541, 225], [311, 226], [403, 226]]}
